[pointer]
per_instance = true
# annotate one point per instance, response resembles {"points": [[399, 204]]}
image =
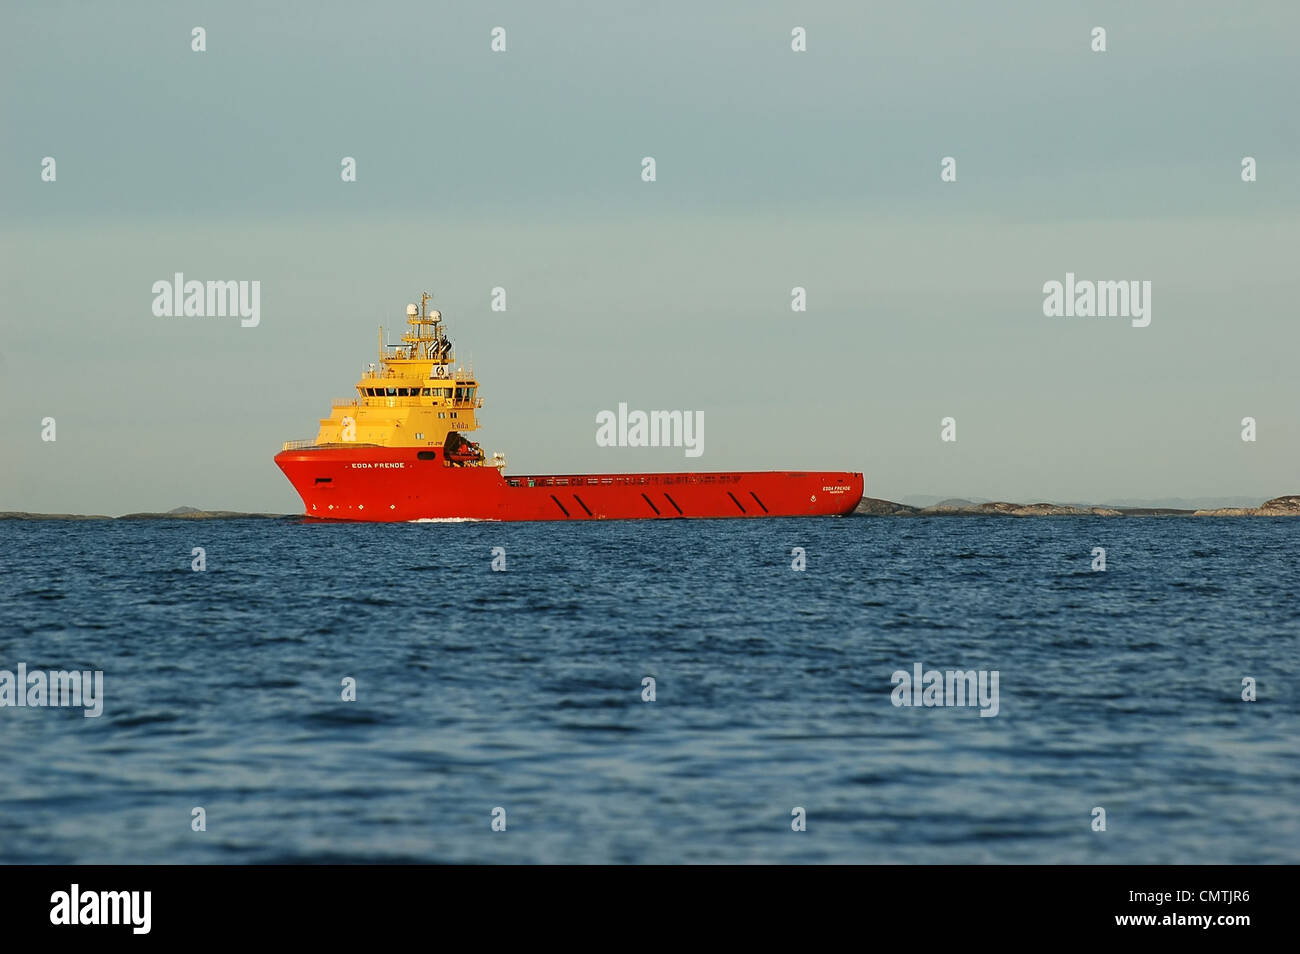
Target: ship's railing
{"points": [[382, 377], [393, 401], [620, 480], [390, 401], [324, 445]]}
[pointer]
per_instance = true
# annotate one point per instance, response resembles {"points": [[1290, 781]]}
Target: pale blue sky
{"points": [[775, 169]]}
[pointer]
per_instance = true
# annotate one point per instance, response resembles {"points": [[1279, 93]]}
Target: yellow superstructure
{"points": [[413, 397]]}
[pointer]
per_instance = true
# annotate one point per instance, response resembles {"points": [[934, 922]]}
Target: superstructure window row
{"points": [[461, 394]]}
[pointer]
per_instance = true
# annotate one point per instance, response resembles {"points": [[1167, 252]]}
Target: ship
{"points": [[398, 451]]}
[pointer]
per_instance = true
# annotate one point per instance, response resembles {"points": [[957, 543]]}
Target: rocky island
{"points": [[1287, 506]]}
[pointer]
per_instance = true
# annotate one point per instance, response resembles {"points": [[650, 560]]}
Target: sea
{"points": [[714, 691]]}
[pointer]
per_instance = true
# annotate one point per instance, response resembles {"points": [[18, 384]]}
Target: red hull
{"points": [[372, 483]]}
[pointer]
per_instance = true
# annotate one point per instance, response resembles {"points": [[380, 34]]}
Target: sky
{"points": [[774, 169]]}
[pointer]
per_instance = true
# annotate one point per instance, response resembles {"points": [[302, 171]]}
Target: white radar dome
{"points": [[411, 311]]}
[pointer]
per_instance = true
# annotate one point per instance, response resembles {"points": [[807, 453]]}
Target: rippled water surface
{"points": [[522, 689]]}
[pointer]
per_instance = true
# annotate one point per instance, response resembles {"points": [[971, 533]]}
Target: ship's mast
{"points": [[425, 340]]}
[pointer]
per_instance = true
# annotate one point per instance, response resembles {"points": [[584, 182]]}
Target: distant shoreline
{"points": [[183, 513], [1285, 506]]}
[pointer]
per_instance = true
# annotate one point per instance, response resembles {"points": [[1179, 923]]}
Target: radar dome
{"points": [[411, 311]]}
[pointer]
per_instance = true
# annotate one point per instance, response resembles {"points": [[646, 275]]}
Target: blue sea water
{"points": [[522, 690]]}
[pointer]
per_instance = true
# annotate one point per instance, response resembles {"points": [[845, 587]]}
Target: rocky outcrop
{"points": [[191, 514], [1063, 510], [1004, 509], [875, 507], [1287, 506], [23, 515]]}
